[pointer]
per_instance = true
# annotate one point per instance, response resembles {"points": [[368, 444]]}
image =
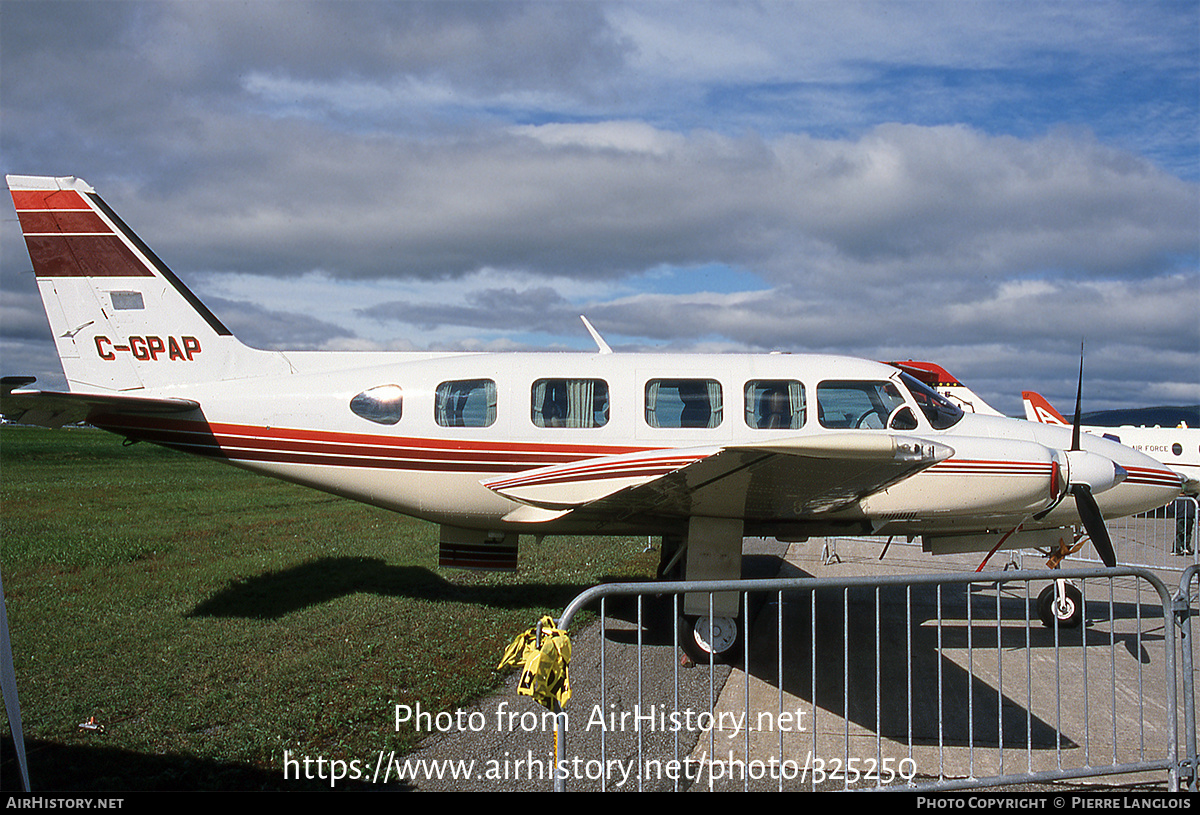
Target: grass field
{"points": [[211, 619]]}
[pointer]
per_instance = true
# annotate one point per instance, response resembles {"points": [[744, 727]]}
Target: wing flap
{"points": [[55, 409], [566, 486]]}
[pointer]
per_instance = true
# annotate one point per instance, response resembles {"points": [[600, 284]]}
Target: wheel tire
{"points": [[707, 640], [1068, 617]]}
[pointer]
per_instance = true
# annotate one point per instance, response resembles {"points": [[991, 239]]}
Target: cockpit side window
{"points": [[857, 405], [383, 404], [940, 411]]}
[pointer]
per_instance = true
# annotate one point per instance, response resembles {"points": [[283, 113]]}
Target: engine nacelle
{"points": [[1098, 472]]}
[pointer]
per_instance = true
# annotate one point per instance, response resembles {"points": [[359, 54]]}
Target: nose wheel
{"points": [[1060, 604]]}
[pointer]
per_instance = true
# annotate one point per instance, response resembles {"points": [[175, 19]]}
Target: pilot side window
{"points": [[857, 405], [570, 403], [383, 404], [775, 404], [683, 403], [466, 403]]}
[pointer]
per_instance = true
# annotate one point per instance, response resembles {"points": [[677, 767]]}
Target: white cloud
{"points": [[624, 137]]}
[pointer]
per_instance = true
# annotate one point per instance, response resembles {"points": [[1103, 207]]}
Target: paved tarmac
{"points": [[983, 704]]}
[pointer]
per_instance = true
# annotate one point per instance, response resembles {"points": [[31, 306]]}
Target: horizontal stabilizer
{"points": [[55, 409]]}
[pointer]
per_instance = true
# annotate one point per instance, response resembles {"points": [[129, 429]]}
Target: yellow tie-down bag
{"points": [[544, 669]]}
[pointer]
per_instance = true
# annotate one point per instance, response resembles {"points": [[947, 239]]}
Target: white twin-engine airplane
{"points": [[700, 449]]}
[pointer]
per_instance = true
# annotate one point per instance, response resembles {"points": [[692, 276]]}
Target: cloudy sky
{"points": [[981, 184]]}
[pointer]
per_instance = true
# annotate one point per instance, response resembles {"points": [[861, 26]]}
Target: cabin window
{"points": [[857, 405], [383, 404], [683, 403], [466, 403], [570, 403], [775, 404]]}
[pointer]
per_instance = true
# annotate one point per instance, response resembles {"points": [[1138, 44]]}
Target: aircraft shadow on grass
{"points": [[904, 645], [275, 594]]}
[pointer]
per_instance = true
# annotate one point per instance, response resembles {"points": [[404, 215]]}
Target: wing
{"points": [[55, 409], [785, 479]]}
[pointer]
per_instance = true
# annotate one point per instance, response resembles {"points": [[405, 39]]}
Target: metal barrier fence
{"points": [[1185, 606], [929, 682], [1162, 539]]}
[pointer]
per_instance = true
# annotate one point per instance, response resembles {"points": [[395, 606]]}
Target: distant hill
{"points": [[1144, 417]]}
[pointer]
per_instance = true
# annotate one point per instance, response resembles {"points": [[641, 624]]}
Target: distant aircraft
{"points": [[700, 449], [1176, 447], [945, 383]]}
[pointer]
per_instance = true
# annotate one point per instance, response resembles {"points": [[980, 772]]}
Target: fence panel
{"points": [[886, 682], [1162, 539]]}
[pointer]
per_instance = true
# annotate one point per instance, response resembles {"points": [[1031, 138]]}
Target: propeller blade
{"points": [[1093, 522], [1075, 426]]}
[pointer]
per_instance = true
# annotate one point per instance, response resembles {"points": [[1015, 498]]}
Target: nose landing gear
{"points": [[1060, 604]]}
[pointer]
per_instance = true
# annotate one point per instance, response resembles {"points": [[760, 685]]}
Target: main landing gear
{"points": [[711, 639], [709, 626]]}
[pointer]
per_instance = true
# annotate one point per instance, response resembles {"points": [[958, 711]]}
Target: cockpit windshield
{"points": [[939, 410]]}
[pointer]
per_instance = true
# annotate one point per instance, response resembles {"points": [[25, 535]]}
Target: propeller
{"points": [[1085, 502]]}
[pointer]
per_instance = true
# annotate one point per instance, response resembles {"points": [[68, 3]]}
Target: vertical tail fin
{"points": [[120, 319], [1037, 409]]}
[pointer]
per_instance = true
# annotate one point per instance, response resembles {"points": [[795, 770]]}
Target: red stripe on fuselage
{"points": [[290, 445]]}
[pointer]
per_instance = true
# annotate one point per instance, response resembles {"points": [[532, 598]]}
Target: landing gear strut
{"points": [[711, 623]]}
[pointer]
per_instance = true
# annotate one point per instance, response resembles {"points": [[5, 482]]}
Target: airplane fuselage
{"points": [[427, 431]]}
